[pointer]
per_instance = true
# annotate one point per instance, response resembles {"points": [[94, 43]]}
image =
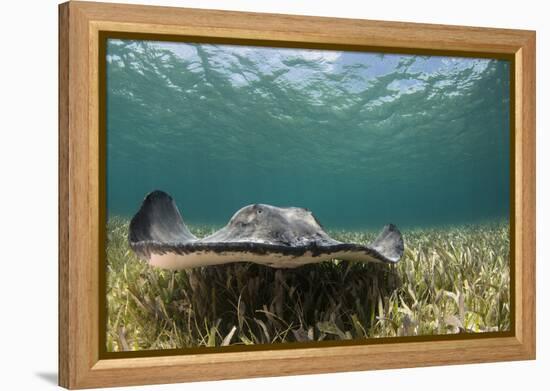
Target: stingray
{"points": [[264, 234]]}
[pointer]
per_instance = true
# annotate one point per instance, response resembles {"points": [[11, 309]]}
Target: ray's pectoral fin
{"points": [[157, 224], [389, 244]]}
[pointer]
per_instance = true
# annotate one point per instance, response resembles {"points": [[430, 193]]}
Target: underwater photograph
{"points": [[263, 195]]}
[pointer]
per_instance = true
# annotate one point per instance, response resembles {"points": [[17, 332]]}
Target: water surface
{"points": [[361, 139]]}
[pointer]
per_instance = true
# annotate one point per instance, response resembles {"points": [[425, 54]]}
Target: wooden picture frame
{"points": [[81, 25]]}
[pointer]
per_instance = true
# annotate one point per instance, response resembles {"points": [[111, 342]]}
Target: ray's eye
{"points": [[259, 211]]}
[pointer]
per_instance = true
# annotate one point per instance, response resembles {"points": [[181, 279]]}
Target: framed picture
{"points": [[247, 195]]}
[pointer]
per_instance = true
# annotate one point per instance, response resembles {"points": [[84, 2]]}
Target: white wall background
{"points": [[28, 196]]}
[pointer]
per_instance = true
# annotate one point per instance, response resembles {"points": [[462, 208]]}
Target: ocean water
{"points": [[361, 139]]}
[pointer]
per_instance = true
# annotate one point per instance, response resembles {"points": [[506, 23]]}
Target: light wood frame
{"points": [[80, 165]]}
